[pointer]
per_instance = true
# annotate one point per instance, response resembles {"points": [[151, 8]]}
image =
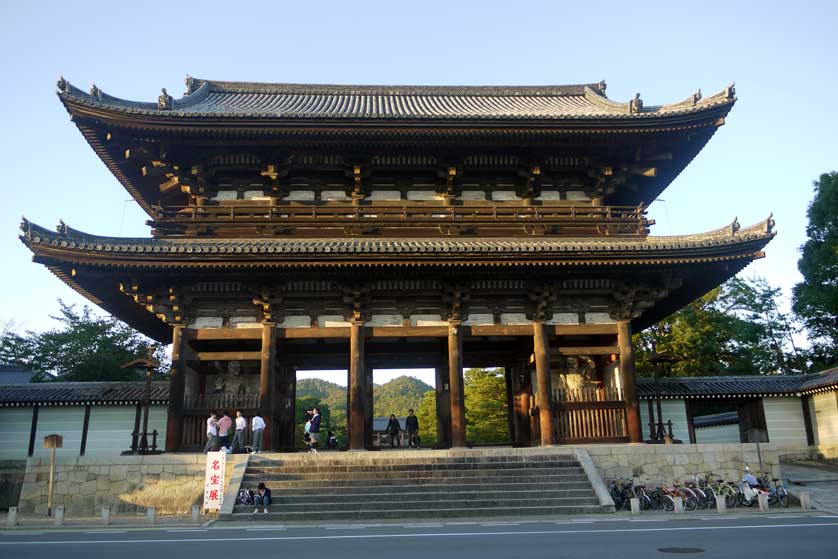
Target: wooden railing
{"points": [[194, 431], [590, 413], [221, 402], [588, 393], [564, 219]]}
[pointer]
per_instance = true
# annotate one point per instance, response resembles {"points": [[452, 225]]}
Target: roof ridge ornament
{"points": [[696, 97], [602, 87], [730, 91], [62, 227], [95, 91], [164, 101], [636, 104], [734, 226], [190, 85], [770, 223], [63, 85]]}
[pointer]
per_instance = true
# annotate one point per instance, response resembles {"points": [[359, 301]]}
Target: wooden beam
{"points": [[229, 355], [408, 331], [593, 350], [546, 417], [84, 428], [177, 386], [627, 375], [357, 380], [33, 430], [308, 333], [267, 360], [456, 385], [202, 334]]}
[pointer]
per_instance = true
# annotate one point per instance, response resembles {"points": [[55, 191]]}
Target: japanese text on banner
{"points": [[214, 480]]}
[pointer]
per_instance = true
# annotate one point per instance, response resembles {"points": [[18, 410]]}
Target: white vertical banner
{"points": [[214, 480]]}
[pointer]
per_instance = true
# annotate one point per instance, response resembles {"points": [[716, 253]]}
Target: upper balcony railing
{"points": [[404, 219]]}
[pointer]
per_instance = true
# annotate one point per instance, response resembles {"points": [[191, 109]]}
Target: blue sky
{"points": [[779, 137]]}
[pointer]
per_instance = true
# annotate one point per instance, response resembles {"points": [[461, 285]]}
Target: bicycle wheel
{"points": [[711, 497], [700, 497], [656, 499], [782, 496], [772, 498], [616, 497], [729, 495], [690, 502]]}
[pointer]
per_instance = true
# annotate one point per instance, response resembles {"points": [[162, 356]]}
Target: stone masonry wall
{"points": [[680, 461], [129, 484]]}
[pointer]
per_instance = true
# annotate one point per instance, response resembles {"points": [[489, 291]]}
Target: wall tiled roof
{"points": [[737, 386], [80, 393]]}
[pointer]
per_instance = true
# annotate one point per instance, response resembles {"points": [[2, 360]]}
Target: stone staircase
{"points": [[419, 485]]}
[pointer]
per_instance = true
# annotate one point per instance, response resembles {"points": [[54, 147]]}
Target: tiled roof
{"points": [[207, 98], [737, 386], [208, 248], [726, 418], [80, 393]]}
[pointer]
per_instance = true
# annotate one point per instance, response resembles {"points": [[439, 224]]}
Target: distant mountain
{"points": [[396, 396]]}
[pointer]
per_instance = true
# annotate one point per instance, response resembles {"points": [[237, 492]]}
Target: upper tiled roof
{"points": [[67, 238], [737, 386], [81, 393], [205, 98]]}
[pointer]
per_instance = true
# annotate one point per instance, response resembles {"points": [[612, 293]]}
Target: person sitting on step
{"points": [[262, 497]]}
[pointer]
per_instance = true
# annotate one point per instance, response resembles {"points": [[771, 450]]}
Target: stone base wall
{"points": [[129, 484], [11, 480], [680, 461]]}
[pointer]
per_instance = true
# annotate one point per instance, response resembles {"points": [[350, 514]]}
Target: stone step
{"points": [[342, 458], [439, 486], [419, 514], [438, 505], [408, 474], [373, 481], [399, 496], [355, 468]]}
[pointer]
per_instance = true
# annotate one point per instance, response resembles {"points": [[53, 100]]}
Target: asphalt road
{"points": [[786, 535]]}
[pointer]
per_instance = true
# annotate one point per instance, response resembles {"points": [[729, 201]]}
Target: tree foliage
{"points": [[426, 413], [737, 328], [487, 420], [84, 347], [816, 298]]}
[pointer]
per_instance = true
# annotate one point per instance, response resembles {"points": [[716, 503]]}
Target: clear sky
{"points": [[780, 136]]}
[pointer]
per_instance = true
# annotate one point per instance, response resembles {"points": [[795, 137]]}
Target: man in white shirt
{"points": [[212, 434], [257, 425], [238, 437]]}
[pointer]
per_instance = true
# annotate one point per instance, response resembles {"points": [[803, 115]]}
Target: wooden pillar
{"points": [[546, 416], [368, 408], [282, 436], [357, 392], [456, 384], [267, 359], [177, 377], [443, 405], [627, 377], [508, 375]]}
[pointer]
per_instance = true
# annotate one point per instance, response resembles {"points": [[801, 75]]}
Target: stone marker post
{"points": [[58, 515], [11, 518], [805, 501], [721, 505], [106, 515], [635, 506], [151, 515], [679, 505], [762, 498], [196, 514]]}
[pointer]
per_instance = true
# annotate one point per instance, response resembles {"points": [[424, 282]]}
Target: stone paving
{"points": [[820, 479]]}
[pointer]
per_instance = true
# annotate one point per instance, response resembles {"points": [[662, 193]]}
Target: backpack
{"points": [[245, 497]]}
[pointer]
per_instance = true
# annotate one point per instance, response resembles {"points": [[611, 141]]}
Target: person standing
{"points": [[393, 429], [224, 425], [238, 437], [314, 430], [257, 425], [411, 425], [212, 434], [307, 429]]}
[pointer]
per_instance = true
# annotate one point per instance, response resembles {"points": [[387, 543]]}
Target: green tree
{"points": [[486, 410], [426, 413], [816, 298], [84, 347], [737, 328]]}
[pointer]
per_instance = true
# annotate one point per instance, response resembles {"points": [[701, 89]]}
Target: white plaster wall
{"points": [[66, 421], [825, 419], [784, 419], [110, 428], [672, 410], [718, 434], [15, 425]]}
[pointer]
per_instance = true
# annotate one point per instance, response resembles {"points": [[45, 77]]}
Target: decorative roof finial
{"points": [[770, 223], [95, 91], [636, 104], [734, 226], [190, 85], [62, 84], [62, 227], [602, 87], [164, 102], [730, 91], [696, 97]]}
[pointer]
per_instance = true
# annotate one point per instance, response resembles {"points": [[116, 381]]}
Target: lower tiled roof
{"points": [[738, 386], [81, 393]]}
